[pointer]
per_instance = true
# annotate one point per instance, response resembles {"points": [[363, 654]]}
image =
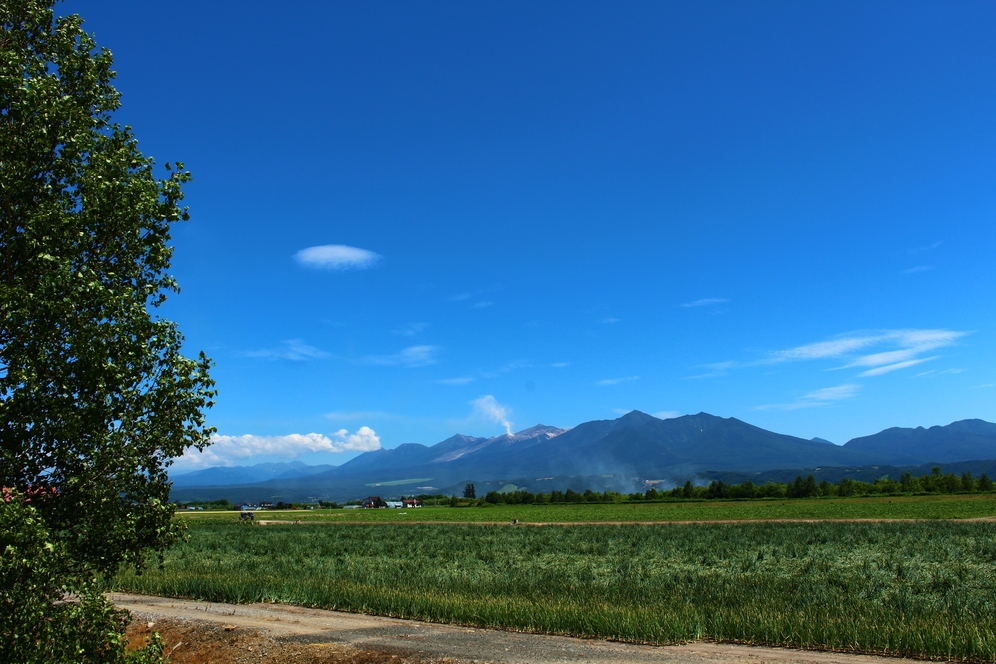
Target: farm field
{"points": [[967, 506], [923, 589]]}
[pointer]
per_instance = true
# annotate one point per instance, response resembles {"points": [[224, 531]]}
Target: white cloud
{"points": [[822, 397], [463, 380], [483, 304], [488, 408], [610, 321], [918, 268], [411, 357], [706, 302], [229, 450], [617, 381], [902, 349], [560, 365], [337, 257], [888, 368], [823, 349], [290, 349], [833, 393]]}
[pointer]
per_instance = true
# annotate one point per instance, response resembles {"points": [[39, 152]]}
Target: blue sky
{"points": [[416, 219]]}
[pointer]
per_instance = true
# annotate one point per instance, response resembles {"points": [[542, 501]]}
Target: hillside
{"points": [[622, 452]]}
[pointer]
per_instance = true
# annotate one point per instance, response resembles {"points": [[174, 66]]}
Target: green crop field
{"points": [[925, 588], [965, 506]]}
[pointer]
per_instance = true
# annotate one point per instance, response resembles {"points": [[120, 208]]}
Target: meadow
{"points": [[966, 506], [923, 589]]}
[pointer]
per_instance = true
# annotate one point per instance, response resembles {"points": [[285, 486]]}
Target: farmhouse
{"points": [[411, 502], [374, 501]]}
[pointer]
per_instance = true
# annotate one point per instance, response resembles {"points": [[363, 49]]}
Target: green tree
{"points": [[96, 397], [469, 491]]}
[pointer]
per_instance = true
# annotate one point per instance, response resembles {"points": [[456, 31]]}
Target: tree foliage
{"points": [[96, 397]]}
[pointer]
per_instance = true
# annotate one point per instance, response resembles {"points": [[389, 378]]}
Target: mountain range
{"points": [[624, 453]]}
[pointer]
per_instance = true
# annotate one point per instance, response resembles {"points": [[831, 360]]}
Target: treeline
{"points": [[807, 487]]}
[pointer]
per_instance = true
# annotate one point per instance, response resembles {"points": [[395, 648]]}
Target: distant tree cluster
{"points": [[808, 487]]}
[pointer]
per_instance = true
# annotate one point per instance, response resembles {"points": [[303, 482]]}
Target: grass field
{"points": [[923, 589], [895, 507]]}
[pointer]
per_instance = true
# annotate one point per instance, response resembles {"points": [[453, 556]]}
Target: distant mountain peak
{"points": [[454, 451], [538, 430]]}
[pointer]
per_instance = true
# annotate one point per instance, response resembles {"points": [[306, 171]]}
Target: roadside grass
{"points": [[964, 506], [919, 589]]}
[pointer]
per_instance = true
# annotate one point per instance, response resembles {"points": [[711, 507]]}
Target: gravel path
{"points": [[421, 641]]}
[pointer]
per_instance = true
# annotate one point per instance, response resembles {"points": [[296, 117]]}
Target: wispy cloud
{"points": [[462, 380], [895, 349], [823, 397], [289, 349], [229, 450], [488, 408], [560, 365], [918, 268], [706, 302], [337, 257], [888, 368], [411, 357], [935, 372], [483, 304], [610, 321], [411, 329], [928, 247], [617, 381], [833, 393]]}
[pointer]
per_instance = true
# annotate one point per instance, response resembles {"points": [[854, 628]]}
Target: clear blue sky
{"points": [[561, 211]]}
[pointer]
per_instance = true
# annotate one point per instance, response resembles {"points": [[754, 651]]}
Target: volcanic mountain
{"points": [[631, 448]]}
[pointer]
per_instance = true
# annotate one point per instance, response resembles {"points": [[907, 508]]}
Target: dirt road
{"points": [[313, 635]]}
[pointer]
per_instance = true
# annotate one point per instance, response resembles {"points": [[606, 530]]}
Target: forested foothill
{"points": [[934, 483]]}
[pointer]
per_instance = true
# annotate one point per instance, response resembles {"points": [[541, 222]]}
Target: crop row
{"points": [[917, 589]]}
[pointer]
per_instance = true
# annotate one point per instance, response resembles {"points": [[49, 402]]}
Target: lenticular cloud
{"points": [[337, 257]]}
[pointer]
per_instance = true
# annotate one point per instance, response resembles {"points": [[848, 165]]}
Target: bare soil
{"points": [[203, 632]]}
